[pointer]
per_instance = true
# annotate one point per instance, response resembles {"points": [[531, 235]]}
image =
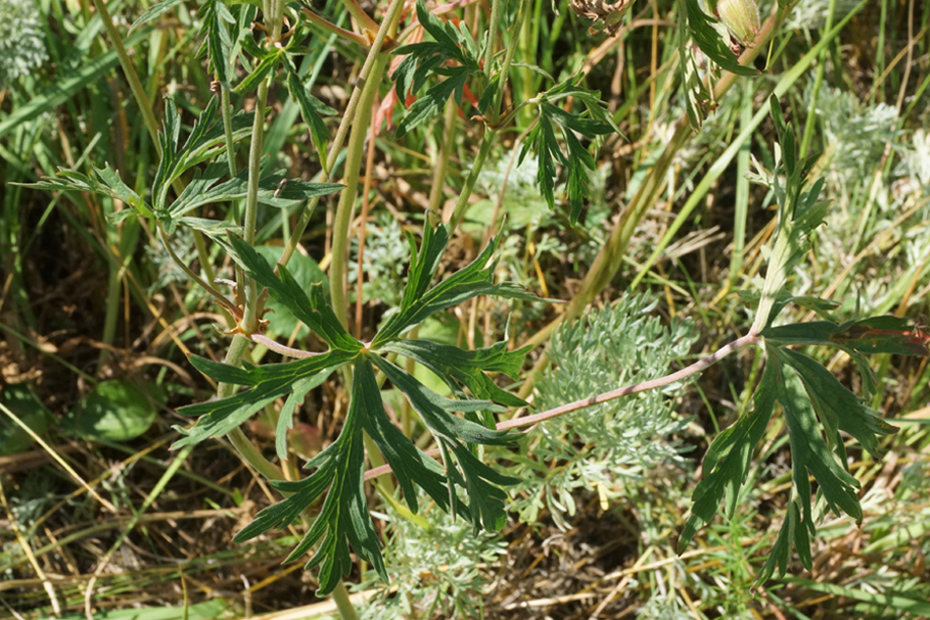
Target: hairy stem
{"points": [[226, 111], [274, 13]]}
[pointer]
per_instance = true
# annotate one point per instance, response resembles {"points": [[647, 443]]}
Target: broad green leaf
{"points": [[343, 518], [115, 411], [883, 334], [799, 212], [480, 481], [22, 401], [112, 180], [168, 140]]}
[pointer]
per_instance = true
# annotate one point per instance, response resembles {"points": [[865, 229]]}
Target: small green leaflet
{"points": [[312, 110], [463, 484], [219, 43], [593, 122], [155, 11]]}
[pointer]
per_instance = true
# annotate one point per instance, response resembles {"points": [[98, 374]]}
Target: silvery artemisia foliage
{"points": [[856, 134], [611, 448], [22, 48], [435, 571], [384, 262]]}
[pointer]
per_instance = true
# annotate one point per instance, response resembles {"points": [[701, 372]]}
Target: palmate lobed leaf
{"points": [[464, 485], [453, 54], [542, 139], [810, 398]]}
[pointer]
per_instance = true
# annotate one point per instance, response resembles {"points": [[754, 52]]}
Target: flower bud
{"points": [[741, 17]]}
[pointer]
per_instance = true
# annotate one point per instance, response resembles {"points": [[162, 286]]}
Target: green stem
{"points": [[274, 13], [818, 83], [465, 194], [344, 602], [490, 134], [389, 25], [246, 449], [450, 119], [145, 107], [338, 274], [362, 18], [508, 57], [322, 23], [223, 301], [492, 36], [112, 313], [225, 107], [148, 119], [250, 315], [226, 110]]}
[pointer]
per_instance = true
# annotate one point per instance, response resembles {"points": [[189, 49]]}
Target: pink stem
{"points": [[534, 419]]}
